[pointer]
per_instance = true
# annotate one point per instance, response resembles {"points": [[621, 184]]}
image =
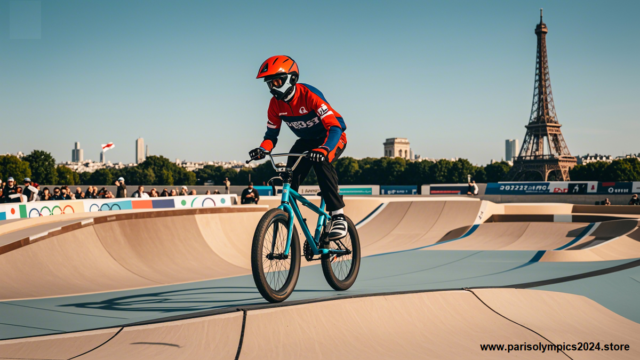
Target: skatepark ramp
{"points": [[428, 325], [439, 278]]}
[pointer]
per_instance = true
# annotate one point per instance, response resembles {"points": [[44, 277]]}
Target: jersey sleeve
{"points": [[329, 121], [273, 128]]}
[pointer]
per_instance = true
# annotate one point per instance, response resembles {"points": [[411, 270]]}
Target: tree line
{"points": [[158, 170]]}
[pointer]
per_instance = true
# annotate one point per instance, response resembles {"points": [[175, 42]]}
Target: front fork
{"points": [[287, 208]]}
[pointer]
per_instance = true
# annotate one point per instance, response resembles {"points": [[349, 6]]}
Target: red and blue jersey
{"points": [[309, 115]]}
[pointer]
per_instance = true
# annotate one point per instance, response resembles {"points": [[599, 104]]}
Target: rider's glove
{"points": [[257, 154], [319, 154]]}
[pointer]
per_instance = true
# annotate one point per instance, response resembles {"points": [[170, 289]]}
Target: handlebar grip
{"points": [[248, 161]]}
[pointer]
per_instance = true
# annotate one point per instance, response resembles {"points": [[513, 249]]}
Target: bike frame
{"points": [[290, 206]]}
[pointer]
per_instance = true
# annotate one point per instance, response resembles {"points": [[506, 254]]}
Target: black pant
{"points": [[327, 177]]}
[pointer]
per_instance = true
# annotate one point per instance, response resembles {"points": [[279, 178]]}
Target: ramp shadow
{"points": [[195, 299]]}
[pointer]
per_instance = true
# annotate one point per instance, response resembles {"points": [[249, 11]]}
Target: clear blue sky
{"points": [[454, 77]]}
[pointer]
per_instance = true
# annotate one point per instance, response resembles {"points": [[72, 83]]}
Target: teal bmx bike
{"points": [[275, 252]]}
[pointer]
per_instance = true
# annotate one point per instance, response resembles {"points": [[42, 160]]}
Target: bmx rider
{"points": [[320, 129]]}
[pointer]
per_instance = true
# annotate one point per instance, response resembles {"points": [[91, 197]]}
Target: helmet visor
{"points": [[276, 81]]}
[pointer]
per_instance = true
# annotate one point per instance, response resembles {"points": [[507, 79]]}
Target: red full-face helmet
{"points": [[280, 72]]}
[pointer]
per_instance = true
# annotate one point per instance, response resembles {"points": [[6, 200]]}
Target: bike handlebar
{"points": [[271, 156]]}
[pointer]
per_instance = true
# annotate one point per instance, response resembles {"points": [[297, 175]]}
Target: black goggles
{"points": [[276, 81]]}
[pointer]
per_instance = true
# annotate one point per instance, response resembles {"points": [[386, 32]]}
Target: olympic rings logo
{"points": [[51, 211]]}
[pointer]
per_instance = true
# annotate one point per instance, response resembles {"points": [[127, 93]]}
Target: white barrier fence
{"points": [[50, 208]]}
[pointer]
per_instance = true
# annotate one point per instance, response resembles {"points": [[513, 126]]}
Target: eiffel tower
{"points": [[544, 150]]}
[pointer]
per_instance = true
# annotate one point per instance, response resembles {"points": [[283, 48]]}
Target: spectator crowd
{"points": [[12, 192]]}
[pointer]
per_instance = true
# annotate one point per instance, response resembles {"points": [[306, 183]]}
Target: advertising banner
{"points": [[50, 208], [558, 187], [448, 189], [520, 188], [344, 190], [398, 190], [613, 188], [590, 187], [568, 188]]}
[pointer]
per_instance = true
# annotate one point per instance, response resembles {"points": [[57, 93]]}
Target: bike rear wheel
{"points": [[274, 273], [340, 270]]}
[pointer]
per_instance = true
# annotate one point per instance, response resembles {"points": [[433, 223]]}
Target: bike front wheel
{"points": [[275, 273], [341, 269]]}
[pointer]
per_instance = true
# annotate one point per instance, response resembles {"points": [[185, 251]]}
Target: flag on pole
{"points": [[108, 146]]}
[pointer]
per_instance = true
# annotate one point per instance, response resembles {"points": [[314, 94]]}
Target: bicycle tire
{"points": [[346, 272], [259, 259]]}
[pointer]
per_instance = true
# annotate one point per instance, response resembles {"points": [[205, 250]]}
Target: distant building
{"points": [[586, 159], [102, 157], [510, 149], [146, 152], [19, 154], [398, 147], [629, 156], [197, 165], [140, 157], [77, 154]]}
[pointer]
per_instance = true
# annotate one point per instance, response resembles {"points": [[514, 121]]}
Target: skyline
{"points": [[182, 76]]}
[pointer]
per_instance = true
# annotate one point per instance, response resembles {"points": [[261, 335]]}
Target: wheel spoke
{"points": [[342, 263], [276, 270]]}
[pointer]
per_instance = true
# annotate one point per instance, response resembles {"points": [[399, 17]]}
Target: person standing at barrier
{"points": [[10, 189], [122, 188], [319, 127], [250, 195], [634, 200], [57, 194], [46, 195], [29, 191], [66, 193], [140, 193], [227, 185]]}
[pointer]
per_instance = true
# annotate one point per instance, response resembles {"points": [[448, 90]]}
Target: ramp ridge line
{"points": [[506, 318], [608, 241], [586, 232], [371, 215], [109, 339], [471, 230], [244, 325]]}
